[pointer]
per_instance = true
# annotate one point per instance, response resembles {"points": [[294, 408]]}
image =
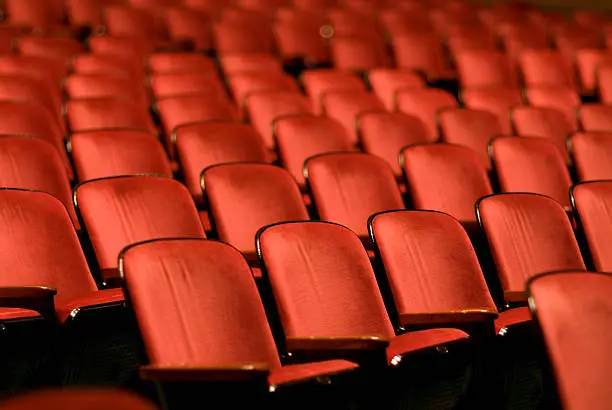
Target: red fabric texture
{"points": [[413, 341], [100, 154], [179, 110], [126, 21], [15, 313], [265, 107], [323, 281], [49, 70], [484, 68], [78, 399], [384, 134], [304, 371], [317, 83], [29, 118], [446, 178], [573, 310], [543, 122], [34, 13], [595, 117], [124, 210], [301, 137], [588, 62], [58, 48], [235, 37], [497, 100], [425, 103], [519, 38], [244, 84], [188, 24], [511, 317], [39, 246], [593, 202], [564, 99], [194, 301], [170, 63], [358, 54], [531, 165], [99, 297], [245, 197], [431, 264], [17, 156], [209, 143], [470, 128], [592, 153], [242, 63], [604, 83], [132, 49], [80, 86], [107, 64], [165, 85], [104, 113], [545, 68], [297, 34], [387, 82], [349, 187], [529, 234], [345, 107], [421, 52]]}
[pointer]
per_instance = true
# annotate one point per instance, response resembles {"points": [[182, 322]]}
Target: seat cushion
{"points": [[511, 317], [422, 339], [301, 372], [99, 297]]}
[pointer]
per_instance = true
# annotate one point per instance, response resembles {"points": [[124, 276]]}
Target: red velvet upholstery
{"points": [[188, 24], [573, 312], [58, 48], [349, 187], [235, 37], [564, 99], [595, 117], [244, 197], [46, 69], [570, 39], [300, 137], [124, 210], [531, 165], [78, 399], [384, 134], [299, 36], [387, 82], [242, 63], [173, 63], [446, 178], [425, 103], [604, 83], [266, 107], [26, 87], [593, 201], [107, 113], [511, 317], [346, 106], [32, 163], [317, 83], [421, 52], [520, 38], [29, 118], [588, 62], [213, 282], [432, 268], [497, 100], [101, 154], [545, 68], [16, 314], [106, 64], [86, 12], [185, 109], [324, 286], [484, 68], [201, 145], [79, 86], [96, 298], [543, 122], [164, 85], [244, 84], [40, 14], [471, 39], [131, 49], [41, 248], [592, 155], [528, 234], [470, 128], [358, 54], [124, 21]]}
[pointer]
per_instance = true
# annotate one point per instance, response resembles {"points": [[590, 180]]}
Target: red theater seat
{"points": [[592, 155], [425, 103]]}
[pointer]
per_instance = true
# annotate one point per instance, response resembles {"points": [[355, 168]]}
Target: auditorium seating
{"points": [[194, 121]]}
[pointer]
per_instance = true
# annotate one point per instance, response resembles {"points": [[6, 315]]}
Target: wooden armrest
{"points": [[244, 372], [515, 296], [36, 298], [459, 316], [337, 343]]}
